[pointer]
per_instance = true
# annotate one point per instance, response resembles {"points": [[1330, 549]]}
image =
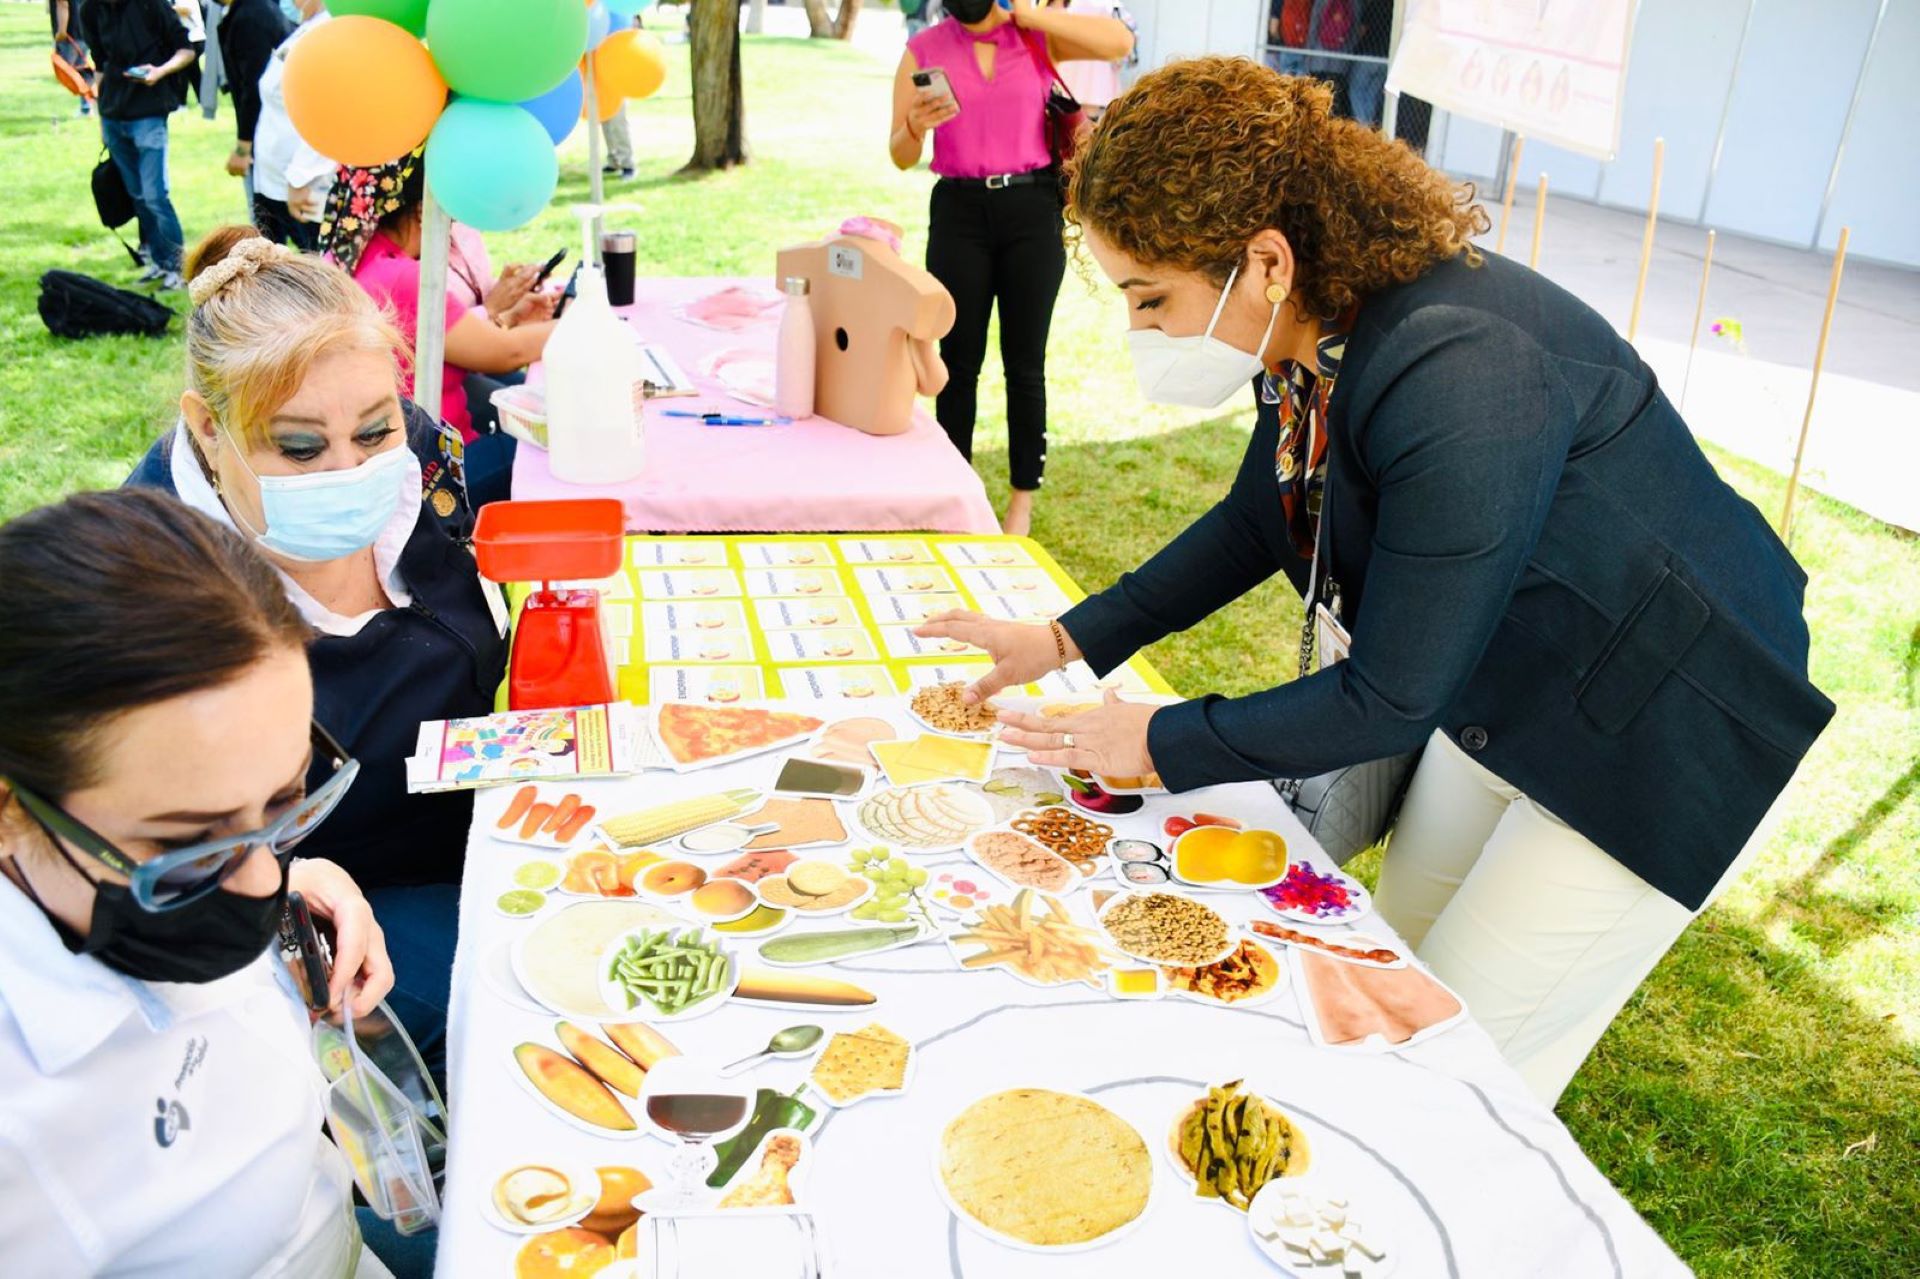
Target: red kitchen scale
{"points": [[560, 653]]}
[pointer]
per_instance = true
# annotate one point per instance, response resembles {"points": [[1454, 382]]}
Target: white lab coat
{"points": [[159, 1129], [281, 158]]}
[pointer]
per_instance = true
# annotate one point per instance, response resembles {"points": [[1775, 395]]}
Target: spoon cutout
{"points": [[794, 1041]]}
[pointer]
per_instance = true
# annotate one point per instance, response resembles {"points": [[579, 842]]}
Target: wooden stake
{"points": [[430, 325], [1506, 202], [1699, 309], [1646, 238], [1813, 388], [1539, 222]]}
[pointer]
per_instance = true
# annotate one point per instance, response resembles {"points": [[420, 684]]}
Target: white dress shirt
{"points": [[281, 157], [159, 1129]]}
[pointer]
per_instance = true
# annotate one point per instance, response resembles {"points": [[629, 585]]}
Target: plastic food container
{"points": [[542, 541], [523, 413]]}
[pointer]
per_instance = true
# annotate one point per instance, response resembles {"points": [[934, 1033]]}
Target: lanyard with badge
{"points": [[1321, 631]]}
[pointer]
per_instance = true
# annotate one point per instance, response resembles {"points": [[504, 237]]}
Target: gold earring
{"points": [[1276, 294]]}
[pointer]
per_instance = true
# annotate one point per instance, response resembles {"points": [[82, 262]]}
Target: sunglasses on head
{"points": [[187, 874]]}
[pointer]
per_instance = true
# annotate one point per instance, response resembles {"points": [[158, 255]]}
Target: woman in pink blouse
{"points": [[995, 214]]}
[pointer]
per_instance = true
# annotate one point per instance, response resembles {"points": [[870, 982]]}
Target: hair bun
{"points": [[242, 258]]}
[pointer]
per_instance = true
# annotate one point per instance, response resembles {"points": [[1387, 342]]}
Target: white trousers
{"points": [[1542, 934]]}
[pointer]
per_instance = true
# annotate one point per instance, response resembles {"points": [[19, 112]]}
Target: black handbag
{"points": [[113, 202], [1350, 809], [78, 306]]}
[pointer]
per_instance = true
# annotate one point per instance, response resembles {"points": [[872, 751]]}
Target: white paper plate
{"points": [[987, 1232], [577, 1175], [1282, 977], [1170, 1147], [1361, 908], [1123, 895], [615, 995], [1301, 1267]]}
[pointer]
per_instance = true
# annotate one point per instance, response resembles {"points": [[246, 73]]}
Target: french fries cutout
{"points": [[1036, 939]]}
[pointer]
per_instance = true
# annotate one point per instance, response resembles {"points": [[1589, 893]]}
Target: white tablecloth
{"points": [[1440, 1143]]}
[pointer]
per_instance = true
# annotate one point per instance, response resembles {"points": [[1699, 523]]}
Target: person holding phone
{"points": [[161, 773], [978, 81], [1503, 531], [374, 229], [292, 431], [140, 47]]}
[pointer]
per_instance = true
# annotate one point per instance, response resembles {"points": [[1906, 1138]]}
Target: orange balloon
{"points": [[362, 91], [606, 99], [630, 62]]}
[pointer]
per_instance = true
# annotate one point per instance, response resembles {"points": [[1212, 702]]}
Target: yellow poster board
{"points": [[739, 617]]}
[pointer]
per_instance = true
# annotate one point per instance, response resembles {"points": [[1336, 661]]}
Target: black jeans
{"points": [[274, 220], [1005, 245]]}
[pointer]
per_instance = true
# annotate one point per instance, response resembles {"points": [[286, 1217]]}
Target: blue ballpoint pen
{"points": [[724, 419]]}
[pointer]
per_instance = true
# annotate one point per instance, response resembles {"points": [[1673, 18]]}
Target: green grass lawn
{"points": [[1758, 1101]]}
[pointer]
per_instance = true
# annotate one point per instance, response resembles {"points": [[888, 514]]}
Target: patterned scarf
{"points": [[1302, 398]]}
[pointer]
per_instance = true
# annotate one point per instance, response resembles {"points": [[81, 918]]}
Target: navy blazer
{"points": [[1534, 556], [440, 657]]}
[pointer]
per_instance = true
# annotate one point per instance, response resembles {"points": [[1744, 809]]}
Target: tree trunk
{"points": [[819, 25], [843, 21], [719, 111], [757, 17]]}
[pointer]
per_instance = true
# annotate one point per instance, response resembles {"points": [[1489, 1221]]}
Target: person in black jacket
{"points": [[140, 47], [356, 497], [248, 35], [1513, 551]]}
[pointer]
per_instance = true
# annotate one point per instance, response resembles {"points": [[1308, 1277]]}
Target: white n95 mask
{"points": [[1199, 371]]}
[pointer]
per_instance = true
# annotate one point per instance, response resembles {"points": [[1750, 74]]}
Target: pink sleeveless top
{"points": [[1002, 125]]}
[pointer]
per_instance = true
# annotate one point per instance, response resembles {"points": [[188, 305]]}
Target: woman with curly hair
{"points": [[1513, 552]]}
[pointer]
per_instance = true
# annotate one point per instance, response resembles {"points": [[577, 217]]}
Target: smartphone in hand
{"points": [[546, 270], [137, 73], [932, 82], [307, 950]]}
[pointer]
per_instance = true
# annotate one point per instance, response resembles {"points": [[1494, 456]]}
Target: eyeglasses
{"points": [[187, 874]]}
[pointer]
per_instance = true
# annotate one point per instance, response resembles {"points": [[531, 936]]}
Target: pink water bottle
{"points": [[795, 355]]}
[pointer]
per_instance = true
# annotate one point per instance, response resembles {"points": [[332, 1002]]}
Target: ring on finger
{"points": [[1066, 740]]}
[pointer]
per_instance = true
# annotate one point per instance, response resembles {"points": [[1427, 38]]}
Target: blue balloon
{"points": [[599, 25], [627, 8], [558, 109], [491, 164]]}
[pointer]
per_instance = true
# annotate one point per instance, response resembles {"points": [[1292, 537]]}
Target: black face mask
{"points": [[212, 937], [204, 940], [969, 10]]}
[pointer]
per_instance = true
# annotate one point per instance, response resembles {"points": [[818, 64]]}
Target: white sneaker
{"points": [[171, 281], [149, 275]]}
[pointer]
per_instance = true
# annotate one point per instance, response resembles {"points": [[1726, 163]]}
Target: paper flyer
{"points": [[783, 554], [720, 684], [799, 614], [792, 581], [845, 645], [824, 682], [884, 550], [911, 610], [902, 642], [561, 744], [653, 553], [913, 579], [698, 646], [710, 615], [688, 584], [983, 554]]}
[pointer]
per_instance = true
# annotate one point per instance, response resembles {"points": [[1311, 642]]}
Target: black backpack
{"points": [[79, 306], [113, 203]]}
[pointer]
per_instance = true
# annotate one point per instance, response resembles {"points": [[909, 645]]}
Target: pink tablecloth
{"points": [[812, 476]]}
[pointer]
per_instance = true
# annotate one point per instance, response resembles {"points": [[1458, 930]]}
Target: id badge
{"points": [[1330, 638]]}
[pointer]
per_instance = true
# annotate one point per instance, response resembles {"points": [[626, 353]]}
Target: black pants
{"points": [[276, 222], [1000, 245]]}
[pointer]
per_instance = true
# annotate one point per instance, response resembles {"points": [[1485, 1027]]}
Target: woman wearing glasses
{"points": [[293, 432], [162, 1109]]}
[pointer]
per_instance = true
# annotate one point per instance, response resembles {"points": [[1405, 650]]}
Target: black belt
{"points": [[1000, 181]]}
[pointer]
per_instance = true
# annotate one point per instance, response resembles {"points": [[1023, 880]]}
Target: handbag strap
{"points": [[1038, 43]]}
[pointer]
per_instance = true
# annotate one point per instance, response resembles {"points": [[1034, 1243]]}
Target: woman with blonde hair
{"points": [[1512, 552], [292, 430]]}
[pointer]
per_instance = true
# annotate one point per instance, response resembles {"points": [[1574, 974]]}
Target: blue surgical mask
{"points": [[331, 514]]}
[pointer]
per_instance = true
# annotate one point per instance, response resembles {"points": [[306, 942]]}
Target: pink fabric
{"points": [[1002, 125], [392, 279], [813, 476], [1093, 84], [469, 270]]}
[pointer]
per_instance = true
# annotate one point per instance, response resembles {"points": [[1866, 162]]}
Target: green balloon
{"points": [[409, 14], [506, 50]]}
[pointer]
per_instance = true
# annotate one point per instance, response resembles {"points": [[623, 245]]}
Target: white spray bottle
{"points": [[594, 377]]}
